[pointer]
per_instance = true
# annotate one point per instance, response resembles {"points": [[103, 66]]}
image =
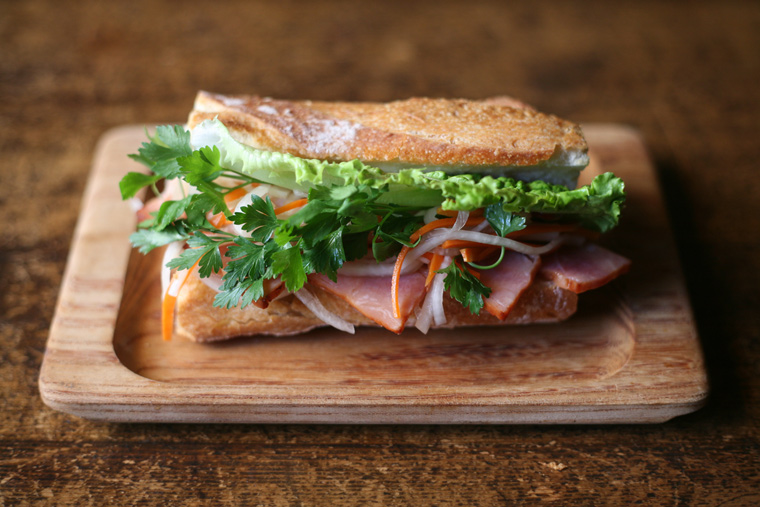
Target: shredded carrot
{"points": [[435, 265], [395, 280], [167, 308], [291, 205], [237, 194], [167, 316], [477, 253], [441, 222], [460, 243], [219, 220], [435, 224]]}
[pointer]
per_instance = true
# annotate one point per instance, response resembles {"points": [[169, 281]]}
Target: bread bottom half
{"points": [[198, 320]]}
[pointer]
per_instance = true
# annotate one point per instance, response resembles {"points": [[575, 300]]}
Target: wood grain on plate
{"points": [[630, 355]]}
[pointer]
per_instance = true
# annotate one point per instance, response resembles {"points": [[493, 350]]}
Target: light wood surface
{"points": [[630, 355]]}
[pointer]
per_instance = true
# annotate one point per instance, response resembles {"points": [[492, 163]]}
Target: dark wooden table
{"points": [[685, 74]]}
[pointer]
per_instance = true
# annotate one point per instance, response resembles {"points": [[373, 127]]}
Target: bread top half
{"points": [[451, 134]]}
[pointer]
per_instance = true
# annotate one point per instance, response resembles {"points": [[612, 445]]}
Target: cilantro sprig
{"points": [[337, 224], [464, 287]]}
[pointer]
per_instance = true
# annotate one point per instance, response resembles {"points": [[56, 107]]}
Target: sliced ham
{"points": [[371, 295], [582, 268], [508, 281]]}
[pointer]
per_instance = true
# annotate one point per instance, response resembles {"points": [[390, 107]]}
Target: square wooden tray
{"points": [[630, 355]]}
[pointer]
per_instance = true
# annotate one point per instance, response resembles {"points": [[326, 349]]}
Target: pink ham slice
{"points": [[508, 281], [371, 295], [582, 268]]}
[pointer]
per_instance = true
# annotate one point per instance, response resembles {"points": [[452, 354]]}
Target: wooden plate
{"points": [[630, 355]]}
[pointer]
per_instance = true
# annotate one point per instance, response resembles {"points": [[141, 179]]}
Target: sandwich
{"points": [[278, 216]]}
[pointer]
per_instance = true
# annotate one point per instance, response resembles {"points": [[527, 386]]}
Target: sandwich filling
{"points": [[259, 225]]}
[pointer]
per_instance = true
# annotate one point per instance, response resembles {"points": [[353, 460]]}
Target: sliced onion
{"points": [[432, 307], [173, 250], [461, 220], [179, 279], [436, 238], [213, 281], [482, 225], [439, 317], [311, 302], [135, 204], [430, 215]]}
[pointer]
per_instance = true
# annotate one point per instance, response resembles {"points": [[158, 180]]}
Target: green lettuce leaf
{"points": [[596, 206]]}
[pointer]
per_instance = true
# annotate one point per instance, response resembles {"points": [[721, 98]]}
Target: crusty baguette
{"points": [[492, 134], [199, 320], [498, 135]]}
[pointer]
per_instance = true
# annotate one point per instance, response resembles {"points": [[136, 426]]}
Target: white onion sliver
{"points": [[311, 302], [213, 281], [179, 279], [436, 288], [135, 204], [461, 220], [435, 238], [173, 250], [423, 318], [432, 307], [482, 225], [430, 215]]}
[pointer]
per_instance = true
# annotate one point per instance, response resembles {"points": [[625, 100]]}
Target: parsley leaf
{"points": [[205, 251], [200, 169], [258, 218], [161, 153], [169, 212], [464, 287], [289, 264], [503, 222], [326, 256], [133, 182], [148, 239]]}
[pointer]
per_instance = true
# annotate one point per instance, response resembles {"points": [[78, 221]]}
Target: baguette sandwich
{"points": [[282, 216]]}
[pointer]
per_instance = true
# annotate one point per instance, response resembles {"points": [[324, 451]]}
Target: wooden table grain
{"points": [[684, 74]]}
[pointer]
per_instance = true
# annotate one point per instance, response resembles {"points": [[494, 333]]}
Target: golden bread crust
{"points": [[498, 132], [199, 320]]}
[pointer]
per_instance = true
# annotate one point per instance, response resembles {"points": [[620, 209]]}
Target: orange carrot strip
{"points": [[435, 265], [236, 194], [395, 280], [291, 205], [460, 243], [167, 307], [477, 253], [167, 316], [441, 222], [219, 220], [435, 224]]}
